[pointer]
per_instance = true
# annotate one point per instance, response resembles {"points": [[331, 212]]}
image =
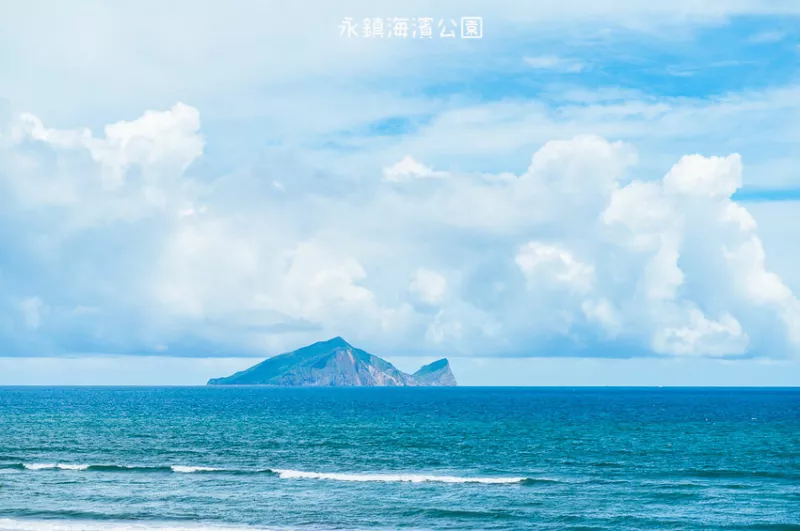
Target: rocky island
{"points": [[336, 363]]}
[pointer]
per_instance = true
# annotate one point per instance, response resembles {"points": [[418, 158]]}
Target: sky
{"points": [[593, 193]]}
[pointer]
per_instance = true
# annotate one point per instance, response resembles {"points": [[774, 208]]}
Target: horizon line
{"points": [[583, 386]]}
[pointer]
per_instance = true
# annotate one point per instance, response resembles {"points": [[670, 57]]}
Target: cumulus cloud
{"points": [[602, 312], [428, 286], [552, 265], [155, 139], [687, 225], [134, 169], [574, 248], [698, 335], [443, 329], [698, 175], [408, 169]]}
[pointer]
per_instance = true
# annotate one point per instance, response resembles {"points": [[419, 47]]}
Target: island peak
{"points": [[437, 373], [335, 342], [336, 363]]}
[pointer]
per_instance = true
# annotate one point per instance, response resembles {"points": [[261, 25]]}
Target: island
{"points": [[336, 363]]}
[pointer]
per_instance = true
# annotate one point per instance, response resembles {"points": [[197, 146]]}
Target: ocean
{"points": [[399, 458]]}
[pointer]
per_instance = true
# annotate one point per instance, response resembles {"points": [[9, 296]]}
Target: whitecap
{"points": [[411, 478], [191, 469], [54, 466]]}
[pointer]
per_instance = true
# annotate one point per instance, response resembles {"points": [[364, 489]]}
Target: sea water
{"points": [[413, 458]]}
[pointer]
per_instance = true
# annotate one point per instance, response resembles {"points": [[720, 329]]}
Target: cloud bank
{"points": [[119, 247]]}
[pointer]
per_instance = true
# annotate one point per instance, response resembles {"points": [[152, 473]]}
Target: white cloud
{"points": [[131, 172], [428, 286], [318, 281], [662, 277], [156, 139], [548, 265], [762, 286], [702, 337], [662, 128], [570, 247], [712, 176], [169, 138], [603, 312], [407, 169], [443, 329], [689, 219], [238, 255], [552, 62]]}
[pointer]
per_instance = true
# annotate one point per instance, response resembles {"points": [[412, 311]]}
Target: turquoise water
{"points": [[415, 458]]}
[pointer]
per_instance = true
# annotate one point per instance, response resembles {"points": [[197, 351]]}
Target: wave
{"points": [[736, 474], [540, 481], [198, 469], [54, 466], [463, 514], [411, 478], [286, 473], [7, 524], [180, 469], [83, 467]]}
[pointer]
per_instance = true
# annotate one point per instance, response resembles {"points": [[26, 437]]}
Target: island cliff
{"points": [[336, 363]]}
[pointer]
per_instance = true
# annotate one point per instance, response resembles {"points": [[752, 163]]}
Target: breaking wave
{"points": [[83, 467], [285, 473], [194, 469], [411, 478], [54, 466]]}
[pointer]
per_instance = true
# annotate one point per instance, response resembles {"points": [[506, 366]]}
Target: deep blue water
{"points": [[415, 458]]}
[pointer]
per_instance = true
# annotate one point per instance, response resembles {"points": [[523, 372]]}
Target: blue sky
{"points": [[612, 185]]}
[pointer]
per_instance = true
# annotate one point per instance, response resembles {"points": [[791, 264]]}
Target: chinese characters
{"points": [[411, 28]]}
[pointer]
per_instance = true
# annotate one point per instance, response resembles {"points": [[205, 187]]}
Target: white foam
{"points": [[298, 474], [86, 525], [54, 466], [191, 469], [411, 478]]}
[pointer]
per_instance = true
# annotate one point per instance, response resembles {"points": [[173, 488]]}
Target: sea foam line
{"points": [[411, 478], [192, 469], [54, 466], [181, 469], [291, 474]]}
